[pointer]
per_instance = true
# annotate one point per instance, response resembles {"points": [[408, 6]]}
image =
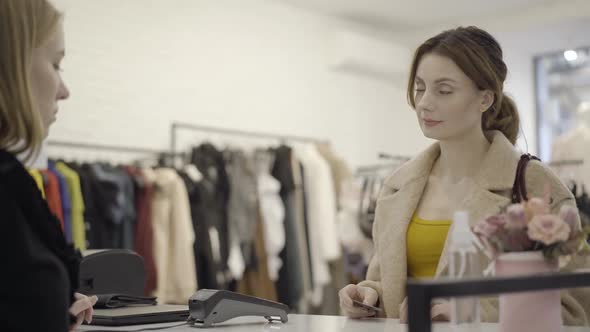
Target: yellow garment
{"points": [[38, 179], [425, 243], [77, 204]]}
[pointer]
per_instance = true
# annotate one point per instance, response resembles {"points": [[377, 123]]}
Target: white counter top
{"points": [[308, 323]]}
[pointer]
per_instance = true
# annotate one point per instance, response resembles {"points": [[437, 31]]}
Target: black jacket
{"points": [[209, 203], [39, 271]]}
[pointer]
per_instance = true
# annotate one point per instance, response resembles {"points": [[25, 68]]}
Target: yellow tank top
{"points": [[425, 241]]}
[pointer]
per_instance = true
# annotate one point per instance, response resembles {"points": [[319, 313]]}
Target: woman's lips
{"points": [[431, 123]]}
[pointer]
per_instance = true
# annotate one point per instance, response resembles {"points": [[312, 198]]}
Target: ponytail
{"points": [[503, 116]]}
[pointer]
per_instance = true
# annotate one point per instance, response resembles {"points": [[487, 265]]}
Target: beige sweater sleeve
{"points": [[575, 303], [374, 273], [374, 280], [183, 278]]}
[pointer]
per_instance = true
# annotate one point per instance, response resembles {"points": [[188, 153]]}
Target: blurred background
{"points": [[153, 81], [331, 69]]}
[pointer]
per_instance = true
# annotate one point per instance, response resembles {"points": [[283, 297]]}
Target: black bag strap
{"points": [[519, 192]]}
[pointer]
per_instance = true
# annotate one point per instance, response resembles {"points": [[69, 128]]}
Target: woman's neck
{"points": [[461, 157]]}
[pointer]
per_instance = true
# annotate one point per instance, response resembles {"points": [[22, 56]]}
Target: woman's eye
{"points": [[446, 92]]}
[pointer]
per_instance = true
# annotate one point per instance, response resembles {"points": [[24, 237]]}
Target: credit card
{"points": [[366, 306]]}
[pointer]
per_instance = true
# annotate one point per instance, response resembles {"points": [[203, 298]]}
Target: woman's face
{"points": [[47, 85], [448, 103]]}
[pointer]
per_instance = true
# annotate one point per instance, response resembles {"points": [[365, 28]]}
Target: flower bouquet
{"points": [[529, 226], [527, 239]]}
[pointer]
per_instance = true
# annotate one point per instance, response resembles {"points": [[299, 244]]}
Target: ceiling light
{"points": [[570, 55]]}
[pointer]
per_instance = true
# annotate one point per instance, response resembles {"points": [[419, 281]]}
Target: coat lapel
{"points": [[396, 211], [489, 191], [485, 195], [479, 203], [393, 213], [395, 207]]}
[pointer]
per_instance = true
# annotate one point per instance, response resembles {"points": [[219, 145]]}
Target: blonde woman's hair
{"points": [[24, 26]]}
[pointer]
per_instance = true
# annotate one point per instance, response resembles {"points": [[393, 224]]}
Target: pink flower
{"points": [[516, 217], [488, 231], [536, 207], [548, 229], [488, 227], [570, 216]]}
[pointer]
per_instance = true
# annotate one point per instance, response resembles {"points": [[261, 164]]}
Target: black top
{"points": [[282, 170], [209, 205], [39, 270]]}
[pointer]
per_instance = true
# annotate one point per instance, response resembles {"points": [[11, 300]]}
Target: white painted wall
{"points": [[135, 66]]}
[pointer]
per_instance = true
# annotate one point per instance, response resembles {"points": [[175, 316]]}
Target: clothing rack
{"points": [[572, 162], [112, 148], [395, 161], [368, 169], [383, 155], [177, 126]]}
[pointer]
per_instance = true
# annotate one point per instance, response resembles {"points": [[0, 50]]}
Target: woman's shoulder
{"points": [[8, 163]]}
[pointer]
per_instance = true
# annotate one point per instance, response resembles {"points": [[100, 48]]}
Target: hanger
{"points": [[193, 172]]}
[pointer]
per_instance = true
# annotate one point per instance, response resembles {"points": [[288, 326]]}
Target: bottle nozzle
{"points": [[461, 230]]}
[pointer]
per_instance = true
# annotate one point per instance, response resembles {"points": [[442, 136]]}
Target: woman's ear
{"points": [[487, 100]]}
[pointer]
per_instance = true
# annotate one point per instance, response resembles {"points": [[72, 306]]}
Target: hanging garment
{"points": [[256, 281], [66, 204], [357, 246], [209, 208], [38, 180], [341, 172], [321, 201], [173, 237], [305, 240], [53, 195], [72, 183], [273, 213], [144, 234], [111, 202], [100, 229], [209, 268], [242, 208], [351, 236], [117, 190], [289, 286], [582, 202], [130, 215], [368, 204]]}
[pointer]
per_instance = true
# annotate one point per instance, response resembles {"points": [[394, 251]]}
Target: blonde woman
{"points": [[39, 270]]}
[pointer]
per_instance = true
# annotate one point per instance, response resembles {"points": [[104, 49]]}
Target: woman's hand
{"points": [[365, 295], [403, 311], [439, 312], [82, 309]]}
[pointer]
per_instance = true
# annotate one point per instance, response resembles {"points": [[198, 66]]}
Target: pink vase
{"points": [[530, 311]]}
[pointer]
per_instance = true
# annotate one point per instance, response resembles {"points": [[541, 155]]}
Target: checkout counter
{"points": [[307, 323]]}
